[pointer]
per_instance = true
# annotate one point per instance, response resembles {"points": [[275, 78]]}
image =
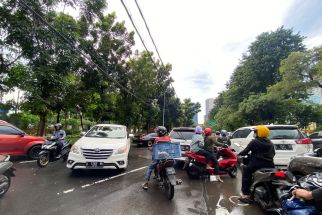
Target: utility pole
{"points": [[163, 109]]}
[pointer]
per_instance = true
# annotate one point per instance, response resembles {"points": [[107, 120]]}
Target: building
{"points": [[316, 95], [209, 107], [195, 119]]}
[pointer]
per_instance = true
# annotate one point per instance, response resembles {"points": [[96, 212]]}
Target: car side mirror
{"points": [[82, 133], [22, 134]]}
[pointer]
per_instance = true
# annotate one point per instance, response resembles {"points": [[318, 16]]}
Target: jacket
{"points": [[197, 143], [262, 149]]}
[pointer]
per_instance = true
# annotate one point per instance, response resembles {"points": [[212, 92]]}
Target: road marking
{"points": [[104, 180], [69, 191], [239, 204], [28, 161]]}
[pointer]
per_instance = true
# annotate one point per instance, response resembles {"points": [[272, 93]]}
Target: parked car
{"points": [[316, 138], [146, 140], [287, 139], [182, 135], [306, 163], [104, 146], [14, 141]]}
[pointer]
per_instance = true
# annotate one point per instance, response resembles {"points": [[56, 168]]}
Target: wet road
{"points": [[55, 190]]}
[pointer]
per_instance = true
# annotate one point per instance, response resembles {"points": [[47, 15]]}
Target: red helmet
{"points": [[207, 131]]}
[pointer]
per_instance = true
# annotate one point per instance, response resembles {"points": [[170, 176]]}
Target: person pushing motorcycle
{"points": [[162, 137], [60, 134], [262, 154]]}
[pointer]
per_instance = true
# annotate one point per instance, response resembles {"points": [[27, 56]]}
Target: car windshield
{"points": [[284, 133], [107, 131], [182, 134]]}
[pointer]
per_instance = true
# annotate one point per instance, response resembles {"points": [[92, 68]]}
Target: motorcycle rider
{"points": [[315, 195], [262, 154], [162, 137], [198, 144], [210, 143], [60, 134]]}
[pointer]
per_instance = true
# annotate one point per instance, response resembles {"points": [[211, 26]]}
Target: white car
{"points": [[287, 139], [104, 146], [182, 135]]}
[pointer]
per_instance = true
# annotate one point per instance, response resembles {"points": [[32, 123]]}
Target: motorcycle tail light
{"points": [[280, 174]]}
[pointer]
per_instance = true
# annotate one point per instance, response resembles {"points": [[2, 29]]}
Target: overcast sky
{"points": [[204, 40]]}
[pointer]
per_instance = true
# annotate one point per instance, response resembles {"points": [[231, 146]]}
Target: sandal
{"points": [[245, 200]]}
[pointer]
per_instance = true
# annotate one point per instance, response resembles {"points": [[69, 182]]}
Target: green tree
{"points": [[188, 110]]}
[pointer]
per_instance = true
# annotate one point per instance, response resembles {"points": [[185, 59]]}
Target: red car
{"points": [[14, 141]]}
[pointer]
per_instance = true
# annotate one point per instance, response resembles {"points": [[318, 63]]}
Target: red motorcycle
{"points": [[195, 164]]}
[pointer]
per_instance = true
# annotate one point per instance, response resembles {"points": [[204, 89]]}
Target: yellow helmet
{"points": [[262, 131]]}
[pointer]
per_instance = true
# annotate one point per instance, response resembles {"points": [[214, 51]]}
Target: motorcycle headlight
{"points": [[121, 150], [74, 149]]}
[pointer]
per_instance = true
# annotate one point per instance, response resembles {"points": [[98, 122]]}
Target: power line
{"points": [[77, 50], [147, 27], [137, 31]]}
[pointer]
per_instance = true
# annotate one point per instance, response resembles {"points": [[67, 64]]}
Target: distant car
{"points": [[14, 141], [182, 135], [316, 138], [146, 140], [104, 146], [306, 163], [287, 139]]}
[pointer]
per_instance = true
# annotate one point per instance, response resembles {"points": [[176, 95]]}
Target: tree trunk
{"points": [[42, 124], [58, 116], [81, 120]]}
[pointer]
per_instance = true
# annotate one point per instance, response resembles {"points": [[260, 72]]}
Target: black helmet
{"points": [[58, 126], [161, 131], [217, 132]]}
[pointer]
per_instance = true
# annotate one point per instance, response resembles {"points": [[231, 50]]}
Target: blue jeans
{"points": [[150, 169]]}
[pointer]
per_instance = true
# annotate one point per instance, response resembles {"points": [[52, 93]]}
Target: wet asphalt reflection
{"points": [[56, 190]]}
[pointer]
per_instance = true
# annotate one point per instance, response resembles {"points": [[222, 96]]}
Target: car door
{"points": [[11, 140], [235, 141], [246, 135]]}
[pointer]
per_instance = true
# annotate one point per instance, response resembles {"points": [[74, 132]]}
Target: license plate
{"points": [[283, 147], [94, 164]]}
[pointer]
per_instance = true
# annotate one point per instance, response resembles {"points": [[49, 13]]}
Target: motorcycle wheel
{"points": [[193, 173], [233, 172], [43, 160], [5, 182], [169, 189]]}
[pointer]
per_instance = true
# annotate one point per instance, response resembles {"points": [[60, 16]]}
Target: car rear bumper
{"points": [[78, 161]]}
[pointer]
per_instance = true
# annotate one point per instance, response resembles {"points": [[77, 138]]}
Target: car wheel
{"points": [[33, 152]]}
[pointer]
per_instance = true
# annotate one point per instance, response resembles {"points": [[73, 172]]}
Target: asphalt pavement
{"points": [[56, 190]]}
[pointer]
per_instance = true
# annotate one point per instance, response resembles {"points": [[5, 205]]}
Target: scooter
{"points": [[166, 177], [49, 152], [195, 164], [293, 206], [6, 172]]}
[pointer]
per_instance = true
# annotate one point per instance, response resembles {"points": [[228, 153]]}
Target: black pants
{"points": [[210, 157], [252, 167]]}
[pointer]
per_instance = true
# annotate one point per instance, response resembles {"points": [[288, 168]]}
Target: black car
{"points": [[316, 138], [306, 163], [146, 140]]}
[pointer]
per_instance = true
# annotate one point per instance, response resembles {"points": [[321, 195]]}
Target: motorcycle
{"points": [[195, 165], [49, 152], [6, 172], [271, 189], [164, 171]]}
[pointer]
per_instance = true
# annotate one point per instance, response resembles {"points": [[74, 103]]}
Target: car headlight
{"points": [[74, 149], [121, 150]]}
